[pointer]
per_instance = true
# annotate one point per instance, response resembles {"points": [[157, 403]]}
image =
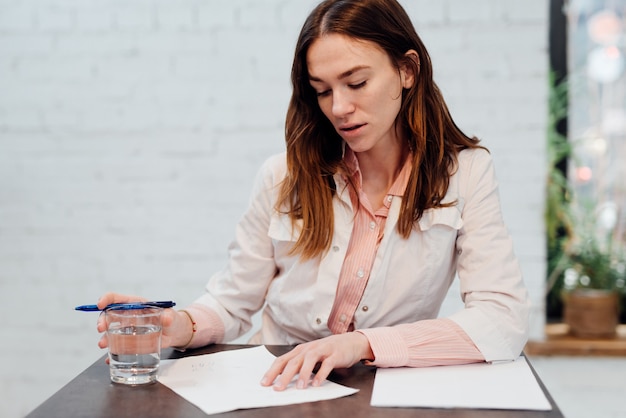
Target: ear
{"points": [[409, 70]]}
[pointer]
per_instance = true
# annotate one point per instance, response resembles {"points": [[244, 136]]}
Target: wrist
{"points": [[365, 349], [189, 330]]}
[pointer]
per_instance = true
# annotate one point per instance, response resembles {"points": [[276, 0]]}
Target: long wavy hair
{"points": [[315, 149]]}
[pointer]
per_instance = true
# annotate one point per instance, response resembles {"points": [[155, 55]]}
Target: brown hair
{"points": [[314, 149]]}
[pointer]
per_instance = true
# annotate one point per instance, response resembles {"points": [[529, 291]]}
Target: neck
{"points": [[380, 169]]}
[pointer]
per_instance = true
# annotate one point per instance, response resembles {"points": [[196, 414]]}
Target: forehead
{"points": [[333, 54]]}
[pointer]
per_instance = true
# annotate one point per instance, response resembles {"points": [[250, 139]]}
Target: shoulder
{"points": [[474, 167], [473, 164], [268, 179], [472, 158], [276, 162], [274, 168]]}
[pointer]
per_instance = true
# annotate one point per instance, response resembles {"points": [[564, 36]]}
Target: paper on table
{"points": [[229, 380], [510, 385]]}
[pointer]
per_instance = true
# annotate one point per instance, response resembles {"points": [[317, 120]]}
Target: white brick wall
{"points": [[130, 132]]}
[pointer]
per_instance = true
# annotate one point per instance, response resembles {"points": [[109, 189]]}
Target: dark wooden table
{"points": [[91, 394]]}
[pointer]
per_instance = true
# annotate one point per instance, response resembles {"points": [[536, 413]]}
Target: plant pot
{"points": [[591, 313]]}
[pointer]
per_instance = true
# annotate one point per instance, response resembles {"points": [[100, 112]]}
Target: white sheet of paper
{"points": [[229, 380], [509, 385]]}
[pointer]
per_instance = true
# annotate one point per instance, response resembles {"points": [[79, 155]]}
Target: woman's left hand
{"points": [[335, 351]]}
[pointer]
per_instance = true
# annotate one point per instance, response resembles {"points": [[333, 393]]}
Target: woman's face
{"points": [[358, 90]]}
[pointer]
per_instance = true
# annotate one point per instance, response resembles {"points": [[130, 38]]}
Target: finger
{"points": [[278, 366], [104, 342], [110, 297], [291, 369], [274, 371], [326, 367], [309, 363], [101, 325], [106, 299]]}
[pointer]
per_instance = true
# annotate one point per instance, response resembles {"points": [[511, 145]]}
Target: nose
{"points": [[342, 104]]}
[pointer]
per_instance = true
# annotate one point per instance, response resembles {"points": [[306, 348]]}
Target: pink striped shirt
{"points": [[425, 343]]}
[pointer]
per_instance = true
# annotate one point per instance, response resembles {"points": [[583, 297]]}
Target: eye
{"points": [[323, 93], [358, 85]]}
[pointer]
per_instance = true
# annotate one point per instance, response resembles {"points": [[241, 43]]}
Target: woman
{"points": [[354, 235]]}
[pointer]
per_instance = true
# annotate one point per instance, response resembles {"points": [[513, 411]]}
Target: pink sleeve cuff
{"points": [[432, 342], [388, 347]]}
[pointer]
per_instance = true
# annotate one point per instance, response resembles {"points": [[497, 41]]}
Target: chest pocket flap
{"points": [[281, 228], [447, 216]]}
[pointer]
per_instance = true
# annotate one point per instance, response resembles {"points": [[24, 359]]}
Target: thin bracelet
{"points": [[194, 328]]}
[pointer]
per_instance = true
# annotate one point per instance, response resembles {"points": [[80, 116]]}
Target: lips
{"points": [[350, 128]]}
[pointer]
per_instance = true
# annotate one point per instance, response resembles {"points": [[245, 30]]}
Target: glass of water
{"points": [[134, 337]]}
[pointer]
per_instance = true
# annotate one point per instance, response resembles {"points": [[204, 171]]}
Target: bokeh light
{"points": [[605, 28], [605, 64], [584, 174]]}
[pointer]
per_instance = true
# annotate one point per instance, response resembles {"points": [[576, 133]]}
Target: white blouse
{"points": [[408, 281]]}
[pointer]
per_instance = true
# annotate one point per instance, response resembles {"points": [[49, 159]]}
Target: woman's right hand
{"points": [[176, 326]]}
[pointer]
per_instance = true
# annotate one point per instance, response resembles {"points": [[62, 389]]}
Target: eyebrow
{"points": [[344, 74]]}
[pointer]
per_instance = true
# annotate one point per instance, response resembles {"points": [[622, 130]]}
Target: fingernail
{"points": [[265, 381], [316, 383], [300, 384]]}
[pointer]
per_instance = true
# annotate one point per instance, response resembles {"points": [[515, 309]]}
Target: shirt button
{"points": [[372, 225], [360, 274], [335, 248], [365, 308], [389, 198], [318, 321], [342, 319]]}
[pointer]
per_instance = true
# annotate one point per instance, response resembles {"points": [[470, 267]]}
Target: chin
{"points": [[357, 147]]}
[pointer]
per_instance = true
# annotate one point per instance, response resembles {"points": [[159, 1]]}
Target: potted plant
{"points": [[593, 281], [586, 263]]}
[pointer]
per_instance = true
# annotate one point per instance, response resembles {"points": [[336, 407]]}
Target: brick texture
{"points": [[130, 132]]}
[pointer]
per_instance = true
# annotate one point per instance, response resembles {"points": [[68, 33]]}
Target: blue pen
{"points": [[129, 305]]}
